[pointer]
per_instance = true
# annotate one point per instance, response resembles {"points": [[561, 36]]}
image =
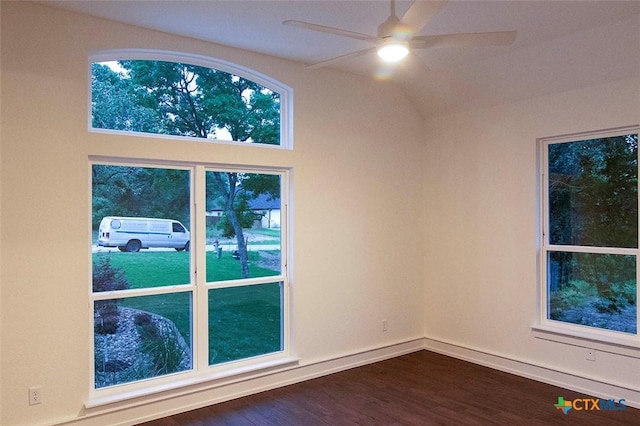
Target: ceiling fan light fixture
{"points": [[393, 51]]}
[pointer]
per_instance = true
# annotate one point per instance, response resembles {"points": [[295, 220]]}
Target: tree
{"points": [[593, 187], [593, 201], [188, 100], [140, 191], [114, 105]]}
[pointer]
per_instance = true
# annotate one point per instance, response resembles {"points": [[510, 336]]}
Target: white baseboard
{"points": [[208, 396], [545, 374]]}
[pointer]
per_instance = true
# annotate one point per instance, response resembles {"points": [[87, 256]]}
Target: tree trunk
{"points": [[228, 186], [242, 245]]}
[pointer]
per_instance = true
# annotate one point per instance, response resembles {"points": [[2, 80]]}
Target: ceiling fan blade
{"points": [[331, 30], [420, 13], [342, 57], [500, 38]]}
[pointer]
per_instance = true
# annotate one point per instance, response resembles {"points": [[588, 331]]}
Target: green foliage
{"points": [[580, 302], [115, 104], [175, 307], [140, 192], [257, 184], [245, 322], [575, 294], [182, 99], [606, 281], [185, 100], [593, 192], [107, 278], [628, 292], [243, 213], [106, 317], [161, 344], [593, 201], [618, 296]]}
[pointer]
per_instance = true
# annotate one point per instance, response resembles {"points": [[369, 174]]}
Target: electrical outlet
{"points": [[385, 325], [35, 395], [590, 354]]}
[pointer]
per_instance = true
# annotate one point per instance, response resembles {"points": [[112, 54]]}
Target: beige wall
{"points": [[358, 206], [481, 232]]}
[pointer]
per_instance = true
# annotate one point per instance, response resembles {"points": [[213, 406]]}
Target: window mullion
{"points": [[543, 302], [593, 249], [201, 311]]}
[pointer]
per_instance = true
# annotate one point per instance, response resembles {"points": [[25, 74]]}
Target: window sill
{"points": [[627, 346], [184, 386]]}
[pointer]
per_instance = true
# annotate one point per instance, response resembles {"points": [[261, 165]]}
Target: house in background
{"points": [[432, 193], [265, 209]]}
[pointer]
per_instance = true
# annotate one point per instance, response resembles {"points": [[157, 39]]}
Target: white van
{"points": [[134, 233]]}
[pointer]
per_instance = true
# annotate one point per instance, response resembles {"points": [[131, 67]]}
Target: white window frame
{"points": [[202, 375], [201, 371], [575, 334], [285, 92]]}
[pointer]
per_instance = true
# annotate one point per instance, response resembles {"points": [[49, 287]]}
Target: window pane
{"points": [[134, 209], [243, 225], [180, 99], [593, 196], [141, 337], [596, 290], [244, 322]]}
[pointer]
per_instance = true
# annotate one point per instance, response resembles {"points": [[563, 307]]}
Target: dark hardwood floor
{"points": [[422, 388]]}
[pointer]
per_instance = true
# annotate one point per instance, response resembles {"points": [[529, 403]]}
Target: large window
{"points": [[245, 293], [590, 232], [188, 258], [172, 284], [194, 99], [142, 287]]}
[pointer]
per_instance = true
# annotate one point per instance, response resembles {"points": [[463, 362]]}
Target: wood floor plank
{"points": [[422, 388]]}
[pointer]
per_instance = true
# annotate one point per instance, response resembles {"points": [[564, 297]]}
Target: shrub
{"points": [[107, 278], [576, 294], [161, 343], [619, 296], [147, 329]]}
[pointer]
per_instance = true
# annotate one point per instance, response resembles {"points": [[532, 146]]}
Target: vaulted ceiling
{"points": [[560, 45]]}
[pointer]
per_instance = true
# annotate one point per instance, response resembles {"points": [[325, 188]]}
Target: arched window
{"points": [[189, 259], [187, 96]]}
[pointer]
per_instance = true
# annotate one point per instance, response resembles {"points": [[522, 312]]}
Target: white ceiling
{"points": [[561, 45]]}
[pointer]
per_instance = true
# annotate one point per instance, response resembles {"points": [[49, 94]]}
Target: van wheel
{"points": [[187, 246], [133, 246]]}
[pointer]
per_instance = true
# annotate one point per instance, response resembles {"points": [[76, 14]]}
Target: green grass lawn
{"points": [[243, 321], [163, 268], [255, 236]]}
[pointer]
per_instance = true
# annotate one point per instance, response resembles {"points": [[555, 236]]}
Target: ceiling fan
{"points": [[396, 36]]}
